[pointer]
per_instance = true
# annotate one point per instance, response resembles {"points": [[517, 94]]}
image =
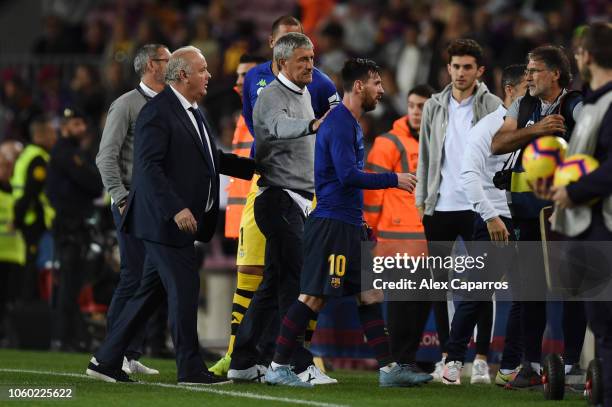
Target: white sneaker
{"points": [[314, 375], [480, 372], [255, 373], [452, 373], [437, 373], [135, 367]]}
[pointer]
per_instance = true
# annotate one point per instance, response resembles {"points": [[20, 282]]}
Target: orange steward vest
{"points": [[392, 213], [238, 189]]}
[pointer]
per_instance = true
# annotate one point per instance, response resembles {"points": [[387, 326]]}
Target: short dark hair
{"points": [[284, 20], [465, 46], [512, 75], [597, 40], [251, 59], [423, 90], [356, 69], [554, 58]]}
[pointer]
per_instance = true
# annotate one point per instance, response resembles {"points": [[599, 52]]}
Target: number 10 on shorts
{"points": [[337, 264]]}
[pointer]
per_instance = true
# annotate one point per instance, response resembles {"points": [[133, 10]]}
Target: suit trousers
{"points": [[170, 272], [132, 254], [282, 223]]}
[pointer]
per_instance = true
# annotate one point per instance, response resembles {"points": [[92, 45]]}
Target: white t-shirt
{"points": [[451, 193]]}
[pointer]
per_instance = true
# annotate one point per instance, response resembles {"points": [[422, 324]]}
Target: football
{"points": [[574, 167], [542, 156]]}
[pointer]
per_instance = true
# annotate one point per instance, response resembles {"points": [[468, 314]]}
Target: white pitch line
{"points": [[191, 388]]}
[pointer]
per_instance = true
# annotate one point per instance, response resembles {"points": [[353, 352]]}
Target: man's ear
{"points": [[182, 74], [480, 70], [556, 74]]}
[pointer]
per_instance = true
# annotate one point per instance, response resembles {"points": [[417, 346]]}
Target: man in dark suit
{"points": [[173, 202]]}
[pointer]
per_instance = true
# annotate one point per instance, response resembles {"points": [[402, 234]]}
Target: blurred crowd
{"points": [[89, 63]]}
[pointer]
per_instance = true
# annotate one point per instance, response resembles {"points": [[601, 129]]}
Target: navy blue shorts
{"points": [[332, 258]]}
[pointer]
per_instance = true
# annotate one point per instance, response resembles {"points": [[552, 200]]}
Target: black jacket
{"points": [[172, 171]]}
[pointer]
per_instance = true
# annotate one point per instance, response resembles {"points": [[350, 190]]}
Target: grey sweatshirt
{"points": [[284, 145], [115, 157]]}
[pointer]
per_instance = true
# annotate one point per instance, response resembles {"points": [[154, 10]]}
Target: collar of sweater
{"points": [[288, 84]]}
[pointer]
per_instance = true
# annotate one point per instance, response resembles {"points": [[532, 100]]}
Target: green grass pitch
{"points": [[20, 369]]}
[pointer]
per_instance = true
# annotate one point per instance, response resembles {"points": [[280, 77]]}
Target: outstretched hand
{"points": [[406, 181]]}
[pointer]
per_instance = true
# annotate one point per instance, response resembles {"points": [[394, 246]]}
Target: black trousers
{"points": [[29, 280], [406, 319], [282, 223], [599, 313], [533, 313], [71, 240], [132, 252], [8, 290], [469, 312], [169, 272]]}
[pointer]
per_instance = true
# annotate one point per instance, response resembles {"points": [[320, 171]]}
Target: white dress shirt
{"points": [[452, 195], [479, 168], [147, 90], [186, 105]]}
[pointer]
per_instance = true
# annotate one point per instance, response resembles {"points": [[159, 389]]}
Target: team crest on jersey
{"points": [[262, 83], [335, 282]]}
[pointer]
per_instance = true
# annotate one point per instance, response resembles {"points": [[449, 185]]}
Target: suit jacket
{"points": [[172, 171]]}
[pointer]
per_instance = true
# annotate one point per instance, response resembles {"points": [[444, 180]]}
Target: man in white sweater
{"points": [[493, 223]]}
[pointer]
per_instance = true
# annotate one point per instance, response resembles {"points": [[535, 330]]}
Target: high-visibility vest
{"points": [[18, 182], [12, 246], [392, 213], [238, 189]]}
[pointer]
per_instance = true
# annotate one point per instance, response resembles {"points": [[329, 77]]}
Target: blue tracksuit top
{"points": [[322, 90]]}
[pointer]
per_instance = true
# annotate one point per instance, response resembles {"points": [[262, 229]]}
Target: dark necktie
{"points": [[200, 122]]}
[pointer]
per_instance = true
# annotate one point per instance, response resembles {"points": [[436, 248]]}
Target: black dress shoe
{"points": [[204, 378], [98, 371]]}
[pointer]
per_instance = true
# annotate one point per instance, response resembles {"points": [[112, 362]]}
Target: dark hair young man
{"points": [[447, 118]]}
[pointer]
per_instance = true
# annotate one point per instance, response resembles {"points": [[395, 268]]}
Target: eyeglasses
{"points": [[531, 71], [160, 59]]}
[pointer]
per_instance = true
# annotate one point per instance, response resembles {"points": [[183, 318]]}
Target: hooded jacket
{"points": [[432, 136]]}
